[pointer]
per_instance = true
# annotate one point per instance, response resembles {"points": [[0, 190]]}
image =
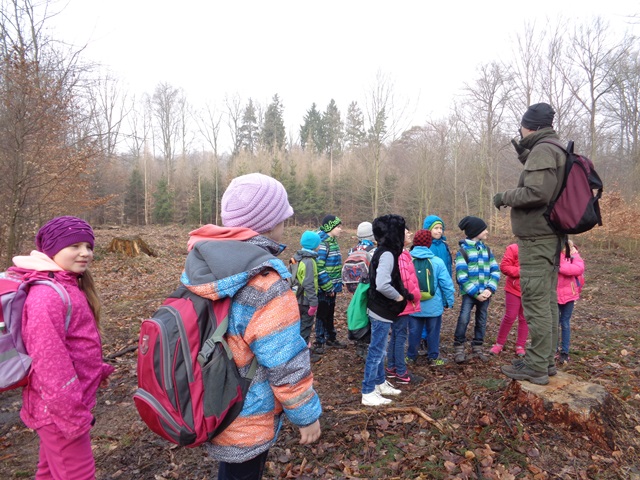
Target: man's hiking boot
{"points": [[552, 371], [520, 371]]}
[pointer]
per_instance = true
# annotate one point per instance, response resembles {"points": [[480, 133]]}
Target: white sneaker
{"points": [[374, 399], [386, 388]]}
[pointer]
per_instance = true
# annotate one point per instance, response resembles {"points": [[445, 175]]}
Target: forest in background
{"points": [[73, 141]]}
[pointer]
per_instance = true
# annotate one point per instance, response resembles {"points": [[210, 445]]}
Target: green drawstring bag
{"points": [[357, 318]]}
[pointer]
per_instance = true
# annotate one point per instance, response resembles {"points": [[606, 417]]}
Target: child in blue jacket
{"points": [[430, 315]]}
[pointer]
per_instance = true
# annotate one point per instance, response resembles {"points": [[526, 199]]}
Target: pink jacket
{"points": [[66, 367], [510, 266], [570, 268], [410, 282]]}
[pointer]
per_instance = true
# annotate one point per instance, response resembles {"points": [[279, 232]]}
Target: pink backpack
{"points": [[189, 388], [15, 362]]}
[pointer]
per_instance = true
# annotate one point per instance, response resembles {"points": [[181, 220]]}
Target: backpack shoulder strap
{"points": [[64, 295], [464, 254]]}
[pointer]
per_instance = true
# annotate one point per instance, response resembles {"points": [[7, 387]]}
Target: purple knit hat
{"points": [[255, 201], [61, 232]]}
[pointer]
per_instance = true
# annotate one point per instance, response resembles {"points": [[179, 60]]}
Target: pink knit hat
{"points": [[255, 201]]}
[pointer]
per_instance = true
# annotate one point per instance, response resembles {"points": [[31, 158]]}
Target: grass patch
{"points": [[491, 384]]}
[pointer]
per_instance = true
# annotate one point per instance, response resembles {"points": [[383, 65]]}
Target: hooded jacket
{"points": [[570, 268], [439, 247], [481, 272], [538, 185], [410, 282], [510, 266], [329, 264], [445, 291], [264, 322], [67, 367], [309, 283]]}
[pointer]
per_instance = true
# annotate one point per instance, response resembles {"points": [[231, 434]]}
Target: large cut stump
{"points": [[567, 400], [131, 246]]}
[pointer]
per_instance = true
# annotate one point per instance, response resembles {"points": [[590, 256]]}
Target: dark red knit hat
{"points": [[422, 238]]}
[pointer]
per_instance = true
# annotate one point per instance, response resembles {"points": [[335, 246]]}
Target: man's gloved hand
{"points": [[516, 144], [497, 200], [410, 296]]}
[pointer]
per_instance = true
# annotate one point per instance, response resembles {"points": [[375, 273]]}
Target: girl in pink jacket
{"points": [[67, 366], [396, 364], [513, 303], [570, 281]]}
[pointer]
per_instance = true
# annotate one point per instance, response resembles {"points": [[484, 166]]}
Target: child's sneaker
{"points": [[563, 358], [408, 378], [391, 372], [385, 388], [496, 349], [520, 351], [374, 399], [437, 362]]}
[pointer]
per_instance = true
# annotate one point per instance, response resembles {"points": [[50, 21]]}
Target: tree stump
{"points": [[566, 400], [130, 246]]}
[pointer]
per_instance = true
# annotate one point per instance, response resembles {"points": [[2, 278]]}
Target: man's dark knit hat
{"points": [[537, 116], [472, 226], [329, 222]]}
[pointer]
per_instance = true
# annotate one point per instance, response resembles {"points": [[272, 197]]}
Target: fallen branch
{"points": [[418, 411], [124, 351]]}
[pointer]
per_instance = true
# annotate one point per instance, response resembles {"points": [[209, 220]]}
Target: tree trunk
{"points": [[566, 400], [130, 246]]}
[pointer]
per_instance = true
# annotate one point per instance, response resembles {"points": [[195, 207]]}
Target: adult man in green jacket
{"points": [[539, 246]]}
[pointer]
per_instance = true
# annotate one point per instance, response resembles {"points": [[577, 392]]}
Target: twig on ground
{"points": [[121, 352], [418, 411]]}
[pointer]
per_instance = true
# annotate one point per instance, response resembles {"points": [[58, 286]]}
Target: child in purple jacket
{"points": [[67, 367]]}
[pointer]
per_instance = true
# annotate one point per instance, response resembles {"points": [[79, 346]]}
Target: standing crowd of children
{"points": [[410, 279]]}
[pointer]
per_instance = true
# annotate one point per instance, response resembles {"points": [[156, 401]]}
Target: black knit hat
{"points": [[537, 116], [472, 226], [329, 222]]}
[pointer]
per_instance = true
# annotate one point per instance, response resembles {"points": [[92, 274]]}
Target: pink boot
{"points": [[496, 349], [520, 351]]}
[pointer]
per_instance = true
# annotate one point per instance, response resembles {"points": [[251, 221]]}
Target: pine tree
{"points": [[332, 130], [249, 133], [163, 202], [273, 134], [312, 131], [134, 199], [354, 128]]}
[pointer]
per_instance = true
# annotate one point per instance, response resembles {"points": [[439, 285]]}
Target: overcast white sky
{"points": [[310, 51]]}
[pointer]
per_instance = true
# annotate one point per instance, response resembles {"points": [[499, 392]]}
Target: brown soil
{"points": [[473, 435]]}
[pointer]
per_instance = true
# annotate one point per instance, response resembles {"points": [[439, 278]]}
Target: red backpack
{"points": [[189, 388], [576, 208], [15, 362]]}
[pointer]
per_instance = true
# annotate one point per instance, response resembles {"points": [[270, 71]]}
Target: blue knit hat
{"points": [[310, 240]]}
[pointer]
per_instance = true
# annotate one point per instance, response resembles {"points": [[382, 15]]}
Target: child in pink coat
{"points": [[67, 367], [570, 281], [396, 368], [513, 303]]}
